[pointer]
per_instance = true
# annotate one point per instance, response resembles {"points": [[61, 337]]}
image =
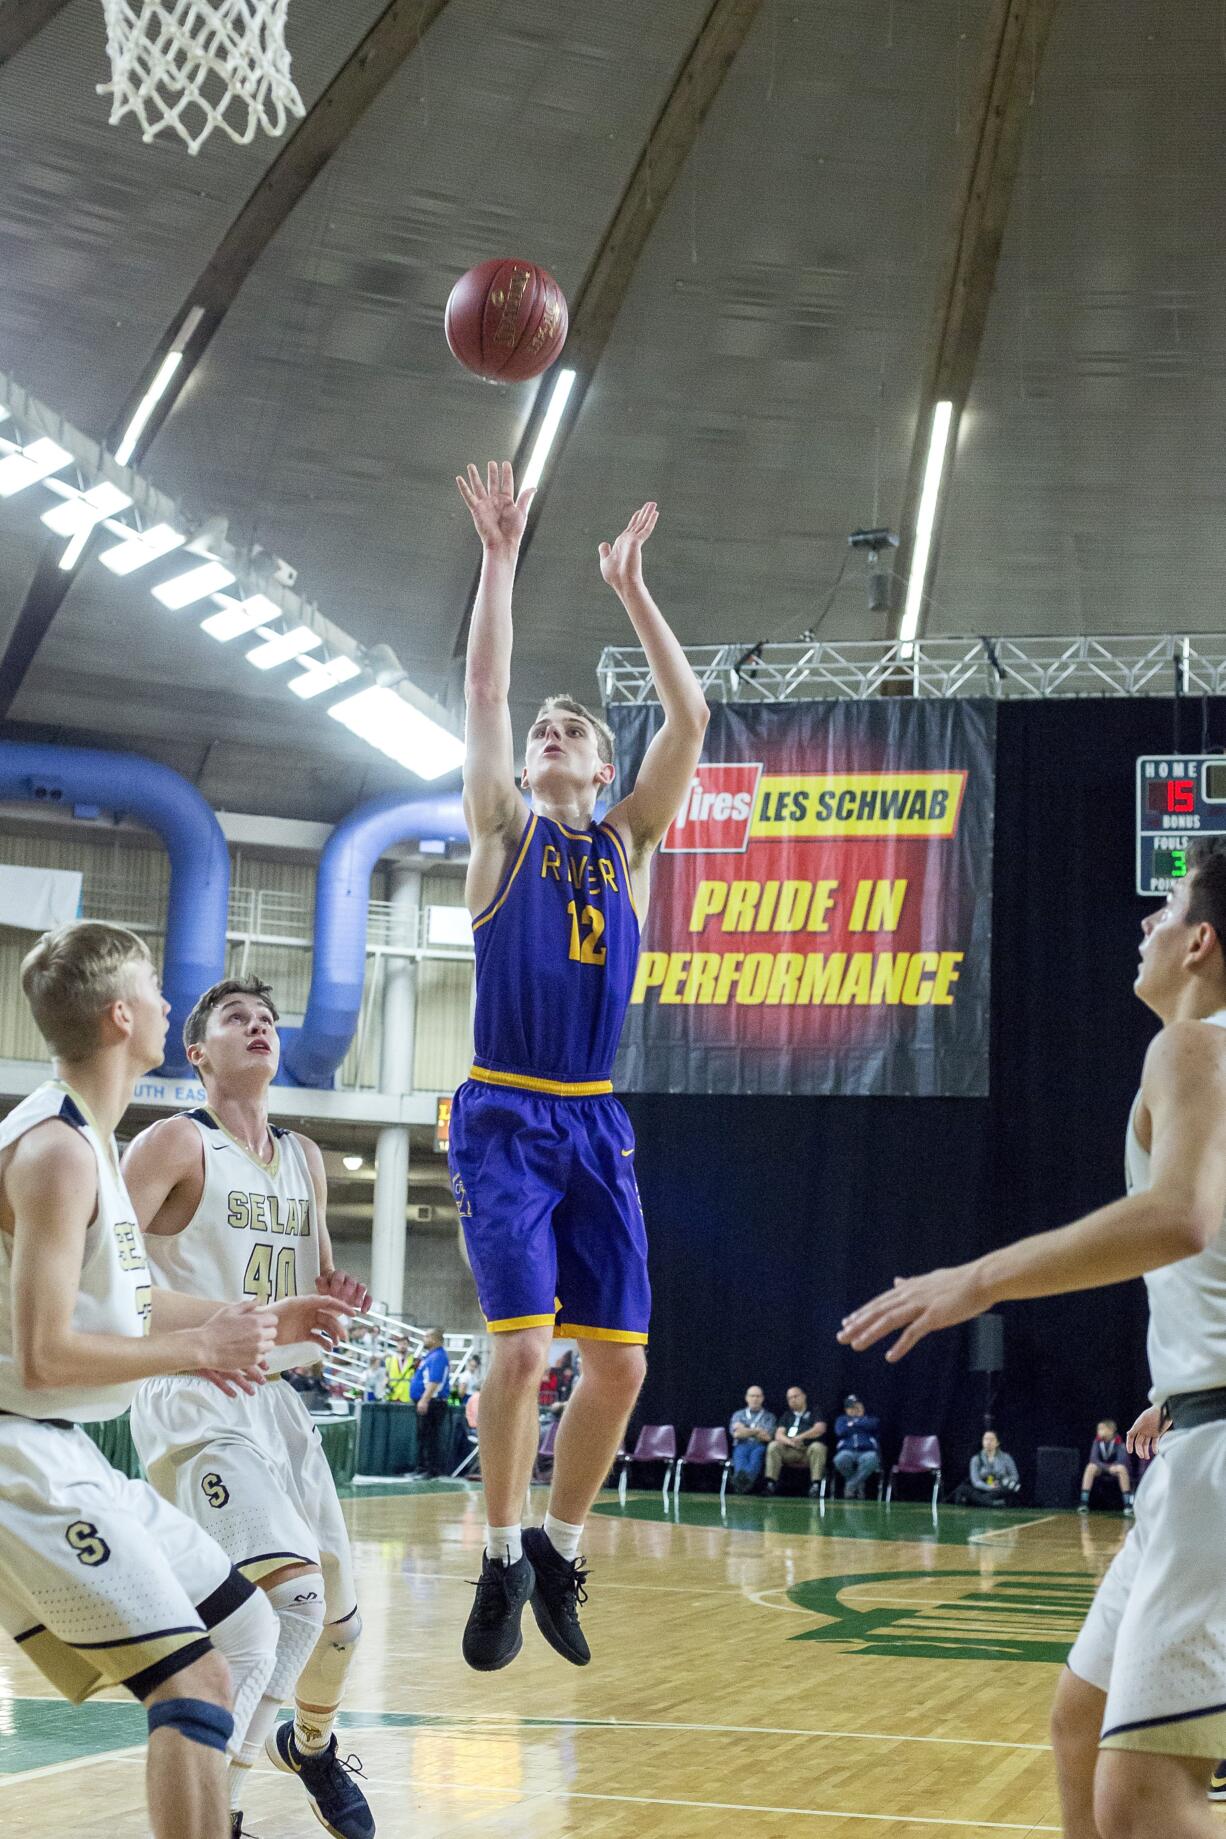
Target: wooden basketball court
{"points": [[854, 1672]]}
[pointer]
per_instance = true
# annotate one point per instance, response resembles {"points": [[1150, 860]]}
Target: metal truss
{"points": [[1005, 669]]}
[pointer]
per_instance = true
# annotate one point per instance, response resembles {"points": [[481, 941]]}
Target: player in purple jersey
{"points": [[541, 1152]]}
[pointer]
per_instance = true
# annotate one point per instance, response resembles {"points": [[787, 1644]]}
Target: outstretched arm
{"points": [[649, 807], [492, 802], [1184, 1090]]}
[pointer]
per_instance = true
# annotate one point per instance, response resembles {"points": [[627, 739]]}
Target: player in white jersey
{"points": [[101, 1583], [1140, 1712], [235, 1206]]}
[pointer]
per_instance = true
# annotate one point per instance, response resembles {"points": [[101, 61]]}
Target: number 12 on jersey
{"points": [[585, 947], [271, 1284]]}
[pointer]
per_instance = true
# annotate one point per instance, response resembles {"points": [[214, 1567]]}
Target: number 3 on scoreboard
{"points": [[268, 1284]]}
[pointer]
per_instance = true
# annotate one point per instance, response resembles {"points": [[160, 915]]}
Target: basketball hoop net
{"points": [[189, 66]]}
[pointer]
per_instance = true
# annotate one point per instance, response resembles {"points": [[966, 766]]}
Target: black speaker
{"points": [[1055, 1476], [987, 1344]]}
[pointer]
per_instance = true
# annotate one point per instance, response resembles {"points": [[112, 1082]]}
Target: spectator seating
{"points": [[832, 1483], [706, 1447], [655, 1443], [543, 1467], [918, 1456]]}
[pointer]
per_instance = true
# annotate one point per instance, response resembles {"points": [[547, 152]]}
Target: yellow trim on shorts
{"points": [[77, 1672], [519, 1321], [583, 1333], [490, 911], [1201, 1733], [556, 1088], [253, 1569]]}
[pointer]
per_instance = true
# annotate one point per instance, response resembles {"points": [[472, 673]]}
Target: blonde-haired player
{"points": [[101, 1583], [1140, 1712], [233, 1205]]}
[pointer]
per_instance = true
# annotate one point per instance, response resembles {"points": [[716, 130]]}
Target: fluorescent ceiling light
{"points": [[283, 646], [141, 546], [148, 402], [37, 461], [393, 726], [184, 590], [930, 497], [317, 677], [562, 388], [239, 616], [352, 1163], [85, 509]]}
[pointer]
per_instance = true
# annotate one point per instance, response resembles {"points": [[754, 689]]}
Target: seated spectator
{"points": [[993, 1477], [796, 1444], [1108, 1456], [567, 1375], [858, 1453], [751, 1430], [400, 1365], [376, 1380], [468, 1379]]}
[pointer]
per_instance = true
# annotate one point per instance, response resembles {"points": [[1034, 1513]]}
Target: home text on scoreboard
{"points": [[1179, 797]]}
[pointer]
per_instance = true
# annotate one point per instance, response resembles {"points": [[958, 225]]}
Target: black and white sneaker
{"points": [[492, 1635], [336, 1800], [558, 1597]]}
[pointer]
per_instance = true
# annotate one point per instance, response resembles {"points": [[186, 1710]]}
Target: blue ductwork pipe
{"points": [[197, 908], [311, 1054]]}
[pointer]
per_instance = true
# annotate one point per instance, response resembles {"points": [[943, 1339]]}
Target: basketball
{"points": [[506, 320]]}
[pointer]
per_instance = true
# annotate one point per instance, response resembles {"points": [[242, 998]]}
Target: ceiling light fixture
{"points": [[239, 616], [37, 461], [280, 647], [148, 402], [352, 1163], [185, 590], [387, 722], [562, 388], [80, 514], [141, 546], [318, 677], [925, 525]]}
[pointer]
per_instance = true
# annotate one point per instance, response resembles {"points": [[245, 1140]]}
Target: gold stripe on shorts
{"points": [[267, 1562], [1199, 1733], [77, 1672]]}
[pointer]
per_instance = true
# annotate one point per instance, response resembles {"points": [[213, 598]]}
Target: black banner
{"points": [[821, 907]]}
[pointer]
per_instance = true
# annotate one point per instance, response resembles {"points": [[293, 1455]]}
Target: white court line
{"points": [[759, 1597], [1007, 1532], [653, 1800], [77, 1762], [510, 1722]]}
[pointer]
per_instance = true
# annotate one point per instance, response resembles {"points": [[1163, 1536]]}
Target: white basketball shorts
{"points": [[1155, 1638], [101, 1582], [252, 1472]]}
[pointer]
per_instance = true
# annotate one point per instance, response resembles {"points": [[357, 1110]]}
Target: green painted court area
{"points": [[905, 1522]]}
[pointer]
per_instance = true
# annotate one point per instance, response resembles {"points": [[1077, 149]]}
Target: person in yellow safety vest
{"points": [[400, 1367]]}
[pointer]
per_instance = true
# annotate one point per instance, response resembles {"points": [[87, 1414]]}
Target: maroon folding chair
{"points": [[704, 1449], [918, 1456], [656, 1443]]}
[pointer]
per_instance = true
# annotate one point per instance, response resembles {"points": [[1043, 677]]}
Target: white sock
{"points": [[563, 1537], [505, 1542]]}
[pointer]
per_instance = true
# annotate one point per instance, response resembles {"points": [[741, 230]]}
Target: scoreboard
{"points": [[1179, 797]]}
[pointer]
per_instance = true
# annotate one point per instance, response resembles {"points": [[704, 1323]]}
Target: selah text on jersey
{"points": [[254, 1232], [556, 952]]}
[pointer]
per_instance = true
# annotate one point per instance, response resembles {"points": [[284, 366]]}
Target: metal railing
{"points": [[269, 916], [349, 1363], [1165, 664]]}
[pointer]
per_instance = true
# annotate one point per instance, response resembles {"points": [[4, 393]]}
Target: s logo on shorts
{"points": [[87, 1542], [214, 1489], [463, 1205]]}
